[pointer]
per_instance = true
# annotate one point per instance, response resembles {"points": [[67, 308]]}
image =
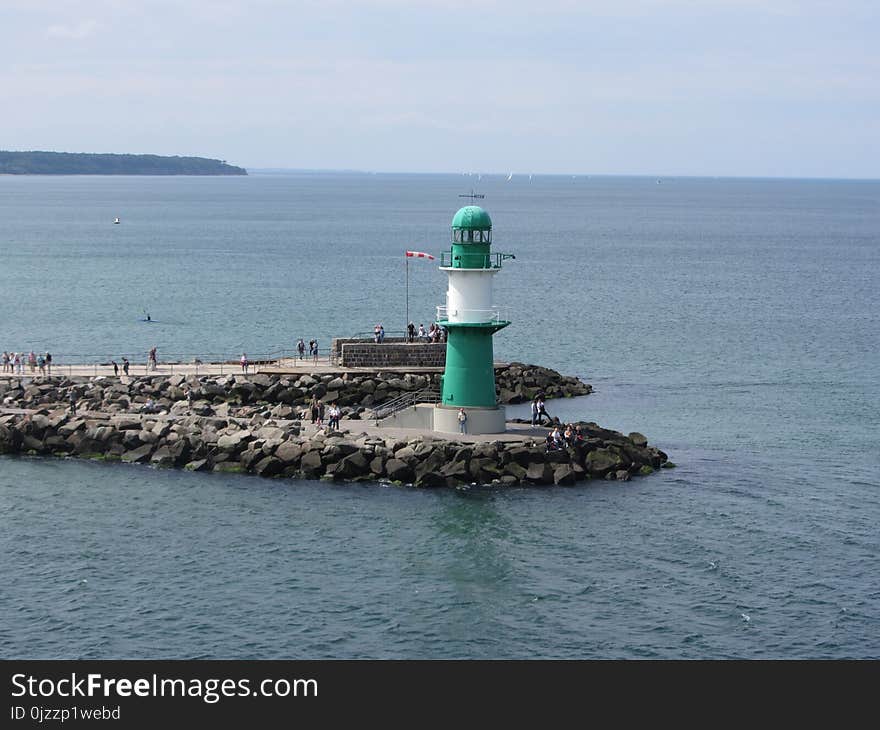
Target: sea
{"points": [[734, 322]]}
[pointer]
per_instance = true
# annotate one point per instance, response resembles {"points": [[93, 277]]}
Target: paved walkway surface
{"points": [[515, 431], [288, 366]]}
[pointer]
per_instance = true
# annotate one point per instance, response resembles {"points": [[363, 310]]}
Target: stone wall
{"points": [[362, 354]]}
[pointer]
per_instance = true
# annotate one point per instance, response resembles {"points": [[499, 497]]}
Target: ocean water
{"points": [[734, 322]]}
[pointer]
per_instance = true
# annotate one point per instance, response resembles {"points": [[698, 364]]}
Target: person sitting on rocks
{"points": [[149, 406], [557, 438], [569, 435]]}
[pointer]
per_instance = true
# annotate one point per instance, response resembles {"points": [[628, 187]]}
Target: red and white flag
{"points": [[419, 255]]}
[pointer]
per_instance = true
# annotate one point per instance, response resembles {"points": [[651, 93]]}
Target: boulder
{"points": [[162, 457], [398, 470], [140, 454], [602, 461], [514, 469], [539, 473], [563, 474], [289, 452], [353, 465], [269, 467], [311, 463]]}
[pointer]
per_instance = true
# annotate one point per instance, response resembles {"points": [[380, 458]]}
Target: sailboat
{"points": [[509, 177], [116, 220]]}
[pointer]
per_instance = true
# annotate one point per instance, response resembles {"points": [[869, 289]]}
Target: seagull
{"points": [[746, 617]]}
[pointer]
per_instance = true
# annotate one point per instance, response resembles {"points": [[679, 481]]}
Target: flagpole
{"points": [[406, 324]]}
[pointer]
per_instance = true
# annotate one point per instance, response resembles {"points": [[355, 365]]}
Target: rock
{"points": [[377, 466], [622, 475], [457, 470], [161, 458], [638, 439], [601, 461], [197, 465], [515, 470], [269, 467], [289, 452], [539, 473], [353, 465], [140, 454], [646, 469], [398, 470], [311, 463], [563, 474], [233, 442]]}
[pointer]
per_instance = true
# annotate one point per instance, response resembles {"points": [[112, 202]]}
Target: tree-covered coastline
{"points": [[83, 163]]}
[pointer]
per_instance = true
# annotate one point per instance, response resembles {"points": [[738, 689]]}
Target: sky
{"points": [[656, 87]]}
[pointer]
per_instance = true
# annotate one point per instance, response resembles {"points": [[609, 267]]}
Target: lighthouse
{"points": [[471, 319]]}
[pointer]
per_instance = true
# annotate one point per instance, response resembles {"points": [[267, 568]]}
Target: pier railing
{"points": [[167, 363], [405, 400]]}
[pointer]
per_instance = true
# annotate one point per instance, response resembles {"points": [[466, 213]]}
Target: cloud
{"points": [[77, 31]]}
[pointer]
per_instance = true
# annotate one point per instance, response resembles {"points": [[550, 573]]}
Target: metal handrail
{"points": [[473, 260], [495, 314], [389, 408]]}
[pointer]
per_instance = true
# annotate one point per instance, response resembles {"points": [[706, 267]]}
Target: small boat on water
{"points": [[116, 220]]}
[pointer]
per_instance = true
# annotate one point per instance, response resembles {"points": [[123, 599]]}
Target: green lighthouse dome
{"points": [[472, 224], [472, 218]]}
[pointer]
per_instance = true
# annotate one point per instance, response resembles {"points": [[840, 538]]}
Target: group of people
{"points": [[435, 333], [125, 366], [313, 349], [378, 334], [539, 411], [558, 440], [317, 410], [14, 362]]}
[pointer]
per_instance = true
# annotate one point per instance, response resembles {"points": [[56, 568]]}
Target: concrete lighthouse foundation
{"points": [[479, 420]]}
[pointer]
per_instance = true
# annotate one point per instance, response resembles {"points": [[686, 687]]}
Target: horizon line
{"points": [[658, 176]]}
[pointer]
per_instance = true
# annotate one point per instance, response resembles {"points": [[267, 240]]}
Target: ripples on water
{"points": [[733, 322], [126, 561]]}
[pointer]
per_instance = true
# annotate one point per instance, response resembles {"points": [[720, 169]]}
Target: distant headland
{"points": [[82, 163]]}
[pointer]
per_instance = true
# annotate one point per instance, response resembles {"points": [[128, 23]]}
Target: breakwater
{"points": [[251, 424], [270, 395]]}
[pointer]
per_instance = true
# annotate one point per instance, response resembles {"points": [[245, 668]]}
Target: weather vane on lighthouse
{"points": [[472, 195]]}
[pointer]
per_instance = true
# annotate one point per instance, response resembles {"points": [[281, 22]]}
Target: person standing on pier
{"points": [[301, 348], [462, 421], [115, 367], [125, 364], [410, 332], [244, 362], [49, 363], [535, 419], [72, 399], [542, 411], [152, 363]]}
